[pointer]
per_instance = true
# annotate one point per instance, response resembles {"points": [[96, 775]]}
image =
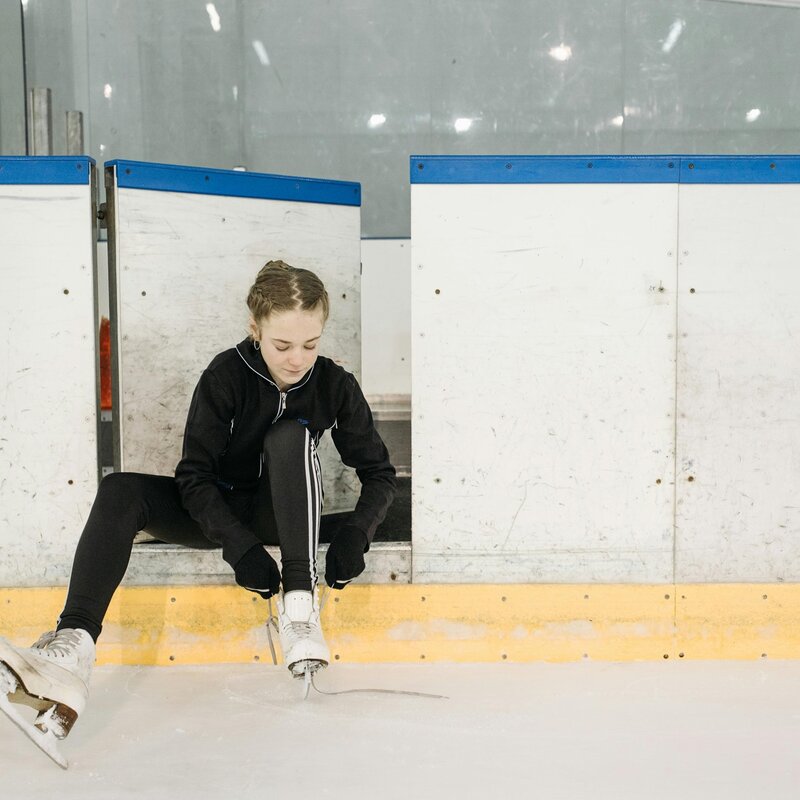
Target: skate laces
{"points": [[64, 643], [272, 622], [43, 640], [296, 629], [381, 691], [300, 629]]}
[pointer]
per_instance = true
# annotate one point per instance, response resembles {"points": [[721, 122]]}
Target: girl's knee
{"points": [[120, 503], [122, 491], [118, 485], [285, 434]]}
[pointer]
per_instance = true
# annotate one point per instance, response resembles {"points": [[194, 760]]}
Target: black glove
{"points": [[345, 558], [257, 572]]}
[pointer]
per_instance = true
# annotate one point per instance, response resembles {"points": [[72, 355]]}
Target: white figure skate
{"points": [[51, 677], [302, 642]]}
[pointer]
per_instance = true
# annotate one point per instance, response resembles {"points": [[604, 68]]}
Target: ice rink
{"points": [[575, 730]]}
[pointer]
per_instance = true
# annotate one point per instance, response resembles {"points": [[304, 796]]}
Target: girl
{"points": [[249, 476]]}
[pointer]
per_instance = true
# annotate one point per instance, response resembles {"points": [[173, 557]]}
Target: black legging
{"points": [[279, 512]]}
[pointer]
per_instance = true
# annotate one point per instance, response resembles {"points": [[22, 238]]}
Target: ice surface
{"points": [[587, 730]]}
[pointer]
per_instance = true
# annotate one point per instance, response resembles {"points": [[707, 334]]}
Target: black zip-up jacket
{"points": [[234, 404]]}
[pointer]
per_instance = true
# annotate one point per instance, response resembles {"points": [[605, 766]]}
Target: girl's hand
{"points": [[257, 572], [345, 558]]}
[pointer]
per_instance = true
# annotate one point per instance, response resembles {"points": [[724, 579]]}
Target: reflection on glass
{"points": [[261, 52], [619, 76], [561, 53], [214, 17], [674, 33]]}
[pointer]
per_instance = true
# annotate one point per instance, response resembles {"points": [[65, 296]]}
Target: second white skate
{"points": [[52, 677]]}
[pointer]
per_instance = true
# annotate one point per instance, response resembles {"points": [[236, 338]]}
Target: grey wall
{"points": [[291, 88]]}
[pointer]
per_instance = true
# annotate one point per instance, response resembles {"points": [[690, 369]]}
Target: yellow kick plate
{"points": [[424, 623]]}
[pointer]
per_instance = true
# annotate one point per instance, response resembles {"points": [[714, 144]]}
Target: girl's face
{"points": [[289, 343]]}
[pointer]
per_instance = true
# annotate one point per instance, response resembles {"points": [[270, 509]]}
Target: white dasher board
{"points": [[543, 368], [185, 246], [738, 431], [48, 366]]}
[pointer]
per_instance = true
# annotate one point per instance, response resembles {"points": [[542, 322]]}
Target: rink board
{"points": [[560, 360], [185, 245], [48, 371], [738, 431], [543, 324]]}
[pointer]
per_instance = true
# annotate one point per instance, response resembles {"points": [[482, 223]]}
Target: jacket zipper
{"points": [[281, 404], [282, 401]]}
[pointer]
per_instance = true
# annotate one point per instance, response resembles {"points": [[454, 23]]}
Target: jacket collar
{"points": [[252, 358]]}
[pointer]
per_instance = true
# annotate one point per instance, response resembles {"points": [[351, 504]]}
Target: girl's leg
{"points": [[126, 502], [290, 501]]}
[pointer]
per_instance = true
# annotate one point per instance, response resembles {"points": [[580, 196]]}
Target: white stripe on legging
{"points": [[313, 492]]}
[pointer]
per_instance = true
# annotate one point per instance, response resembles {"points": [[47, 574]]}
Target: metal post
{"points": [[40, 122], [74, 133]]}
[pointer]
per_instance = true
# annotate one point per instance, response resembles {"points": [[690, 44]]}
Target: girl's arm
{"points": [[362, 448], [208, 428]]}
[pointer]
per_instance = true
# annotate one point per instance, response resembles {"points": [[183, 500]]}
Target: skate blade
{"points": [[44, 740], [312, 665], [305, 670], [53, 716]]}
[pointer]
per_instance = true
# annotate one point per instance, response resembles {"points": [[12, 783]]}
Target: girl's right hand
{"points": [[257, 572]]}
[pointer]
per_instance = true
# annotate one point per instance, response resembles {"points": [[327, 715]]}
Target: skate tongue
{"points": [[298, 606]]}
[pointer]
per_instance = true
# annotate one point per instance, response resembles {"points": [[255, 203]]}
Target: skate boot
{"points": [[302, 642], [51, 677]]}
